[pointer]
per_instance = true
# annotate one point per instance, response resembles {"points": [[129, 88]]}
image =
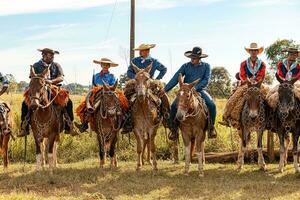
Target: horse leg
{"points": [[286, 153], [146, 145], [282, 152], [139, 141], [38, 154], [193, 143], [49, 151], [261, 160], [240, 161], [187, 144], [55, 145], [112, 153], [295, 152], [101, 150], [44, 150], [152, 135], [175, 151], [5, 150], [199, 153]]}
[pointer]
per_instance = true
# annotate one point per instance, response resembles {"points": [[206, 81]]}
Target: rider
{"points": [[253, 69], [143, 61], [192, 71], [5, 83], [103, 77], [289, 68], [56, 77]]}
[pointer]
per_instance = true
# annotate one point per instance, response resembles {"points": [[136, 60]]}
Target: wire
{"points": [[110, 21]]}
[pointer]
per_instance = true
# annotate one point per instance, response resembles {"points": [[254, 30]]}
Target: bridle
{"points": [[195, 111]]}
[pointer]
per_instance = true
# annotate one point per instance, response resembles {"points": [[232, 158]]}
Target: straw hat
{"points": [[291, 50], [105, 60], [144, 47], [48, 50], [195, 53], [254, 46]]}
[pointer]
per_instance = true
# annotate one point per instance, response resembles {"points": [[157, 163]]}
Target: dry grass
{"points": [[84, 180]]}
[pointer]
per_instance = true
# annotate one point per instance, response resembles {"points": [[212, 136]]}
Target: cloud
{"points": [[262, 3], [13, 7]]}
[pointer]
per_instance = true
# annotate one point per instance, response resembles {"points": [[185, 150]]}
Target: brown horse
{"points": [[46, 120], [108, 119], [192, 117], [145, 116], [5, 131]]}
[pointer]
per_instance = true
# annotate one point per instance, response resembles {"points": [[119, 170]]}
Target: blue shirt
{"points": [[55, 69], [100, 78], [143, 63], [191, 73]]}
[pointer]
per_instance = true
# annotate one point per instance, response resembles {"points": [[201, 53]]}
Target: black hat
{"points": [[195, 53], [48, 50]]}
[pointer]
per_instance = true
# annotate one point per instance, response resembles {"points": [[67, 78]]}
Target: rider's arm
{"points": [[60, 75], [261, 73], [204, 81], [161, 68], [174, 80], [130, 71]]}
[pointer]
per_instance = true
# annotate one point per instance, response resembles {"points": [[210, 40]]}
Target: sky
{"points": [[84, 30]]}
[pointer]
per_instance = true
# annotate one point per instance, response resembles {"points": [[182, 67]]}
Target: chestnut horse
{"points": [[253, 118], [192, 117], [145, 116], [5, 131], [46, 120], [108, 118]]}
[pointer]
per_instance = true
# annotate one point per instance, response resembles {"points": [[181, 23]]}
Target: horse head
{"points": [[37, 89], [287, 100], [185, 99], [142, 78], [253, 98]]}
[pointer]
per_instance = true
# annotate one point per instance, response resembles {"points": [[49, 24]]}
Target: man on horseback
{"points": [[254, 69], [99, 79], [55, 77], [142, 62], [192, 71], [4, 82], [289, 68]]}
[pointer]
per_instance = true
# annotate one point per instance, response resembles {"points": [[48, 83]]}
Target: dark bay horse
{"points": [[192, 117], [253, 119], [108, 119], [145, 116], [288, 120], [46, 120], [5, 131]]}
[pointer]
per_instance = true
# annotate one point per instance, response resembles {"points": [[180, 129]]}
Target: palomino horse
{"points": [[253, 118], [108, 118], [192, 117], [145, 116], [288, 115], [5, 131], [46, 120]]}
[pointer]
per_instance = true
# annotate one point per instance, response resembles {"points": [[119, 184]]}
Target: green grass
{"points": [[84, 180]]}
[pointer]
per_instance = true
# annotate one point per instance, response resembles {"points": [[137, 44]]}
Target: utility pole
{"points": [[132, 29]]}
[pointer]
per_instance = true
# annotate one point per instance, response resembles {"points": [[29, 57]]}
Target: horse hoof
{"points": [[176, 162], [138, 169], [201, 174], [186, 173], [280, 170], [297, 170]]}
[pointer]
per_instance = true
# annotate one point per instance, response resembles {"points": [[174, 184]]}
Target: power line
{"points": [[110, 21]]}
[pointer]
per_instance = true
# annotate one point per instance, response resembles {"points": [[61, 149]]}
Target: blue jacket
{"points": [[108, 78], [192, 73], [143, 63]]}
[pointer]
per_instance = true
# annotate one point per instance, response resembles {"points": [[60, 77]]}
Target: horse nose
{"points": [[34, 105], [253, 114]]}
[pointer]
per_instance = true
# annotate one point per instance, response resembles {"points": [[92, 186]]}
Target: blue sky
{"points": [[80, 30]]}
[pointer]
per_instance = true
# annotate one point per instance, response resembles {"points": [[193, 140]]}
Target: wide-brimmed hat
{"points": [[254, 46], [48, 50], [144, 47], [106, 60], [195, 53], [291, 50]]}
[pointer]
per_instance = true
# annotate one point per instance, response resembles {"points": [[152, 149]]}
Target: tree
{"points": [[13, 85], [220, 83], [122, 80], [274, 55]]}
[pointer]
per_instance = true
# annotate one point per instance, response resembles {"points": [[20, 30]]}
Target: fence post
{"points": [[270, 146]]}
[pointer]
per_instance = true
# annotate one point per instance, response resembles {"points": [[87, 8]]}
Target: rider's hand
{"points": [[48, 81], [162, 92]]}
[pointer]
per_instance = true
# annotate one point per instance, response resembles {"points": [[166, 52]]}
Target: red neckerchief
{"points": [[102, 73]]}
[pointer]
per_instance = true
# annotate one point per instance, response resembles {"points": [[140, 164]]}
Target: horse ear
{"points": [[135, 68], [294, 80], [194, 83], [45, 73], [180, 80], [105, 86], [32, 72], [148, 68], [114, 87], [258, 84], [278, 78]]}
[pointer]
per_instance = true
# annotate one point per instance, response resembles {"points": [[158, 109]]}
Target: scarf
{"points": [[289, 74], [253, 68]]}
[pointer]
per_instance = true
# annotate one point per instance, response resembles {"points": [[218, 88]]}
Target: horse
{"points": [[253, 118], [145, 116], [46, 120], [192, 117], [288, 116], [5, 131], [107, 122]]}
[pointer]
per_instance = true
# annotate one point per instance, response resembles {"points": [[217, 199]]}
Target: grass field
{"points": [[84, 180]]}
